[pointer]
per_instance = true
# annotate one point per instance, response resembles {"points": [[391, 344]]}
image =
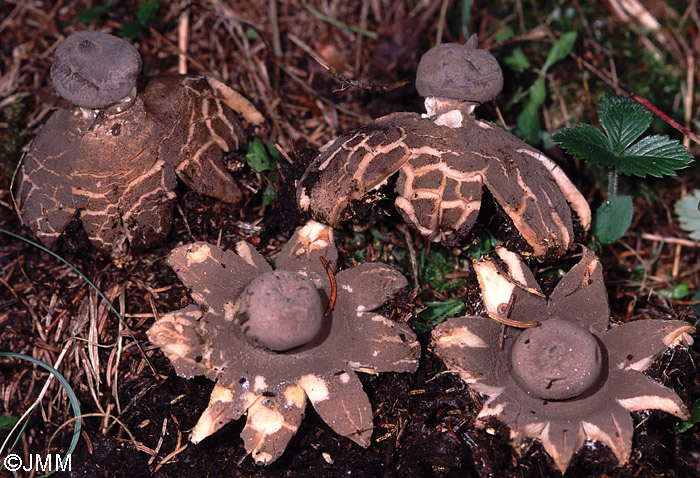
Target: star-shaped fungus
{"points": [[271, 338], [445, 159], [112, 157], [559, 372]]}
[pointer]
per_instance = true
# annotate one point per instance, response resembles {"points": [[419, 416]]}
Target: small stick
{"points": [[383, 88], [183, 40], [645, 102], [520, 324], [334, 290]]}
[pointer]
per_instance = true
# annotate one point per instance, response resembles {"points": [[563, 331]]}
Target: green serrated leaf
{"points": [[623, 119], [613, 218], [584, 141], [560, 49], [6, 423], [654, 155], [147, 11], [131, 29]]}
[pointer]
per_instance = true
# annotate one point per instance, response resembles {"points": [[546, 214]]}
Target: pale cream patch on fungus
{"points": [[315, 388], [499, 288], [572, 377], [272, 385]]}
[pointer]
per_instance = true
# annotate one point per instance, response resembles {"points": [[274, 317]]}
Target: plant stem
{"points": [[612, 183]]}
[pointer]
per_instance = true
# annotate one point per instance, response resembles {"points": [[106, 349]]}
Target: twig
{"points": [[339, 76], [334, 289], [412, 255], [645, 102], [183, 40], [520, 324], [671, 240]]}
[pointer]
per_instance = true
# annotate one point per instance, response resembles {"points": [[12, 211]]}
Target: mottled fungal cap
{"points": [[572, 378], [94, 69], [459, 72], [117, 171], [270, 386], [280, 310], [442, 171]]}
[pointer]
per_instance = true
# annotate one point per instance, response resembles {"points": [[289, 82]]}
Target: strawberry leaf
{"points": [[654, 155], [586, 142], [624, 120]]}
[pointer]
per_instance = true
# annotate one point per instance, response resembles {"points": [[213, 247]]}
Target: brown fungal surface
{"points": [[460, 72], [271, 387], [572, 378], [445, 162], [116, 168]]}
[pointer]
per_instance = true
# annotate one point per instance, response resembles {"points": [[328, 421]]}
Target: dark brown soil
{"points": [[424, 422]]}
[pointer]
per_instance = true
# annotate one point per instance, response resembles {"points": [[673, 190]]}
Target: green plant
{"points": [[8, 421], [261, 160], [484, 243], [436, 313], [13, 142], [145, 16], [621, 150], [528, 120], [435, 266], [694, 419]]}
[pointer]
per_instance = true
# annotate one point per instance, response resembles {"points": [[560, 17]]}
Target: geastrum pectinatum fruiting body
{"points": [[114, 157], [559, 372], [272, 338], [445, 158]]}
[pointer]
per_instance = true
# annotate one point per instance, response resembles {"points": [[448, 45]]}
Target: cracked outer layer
{"points": [[482, 351], [442, 171], [272, 388], [118, 172]]}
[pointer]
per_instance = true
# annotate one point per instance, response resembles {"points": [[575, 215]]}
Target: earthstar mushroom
{"points": [[114, 159], [444, 162], [269, 374], [572, 378]]}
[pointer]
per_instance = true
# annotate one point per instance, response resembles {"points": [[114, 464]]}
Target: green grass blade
{"points": [[69, 392]]}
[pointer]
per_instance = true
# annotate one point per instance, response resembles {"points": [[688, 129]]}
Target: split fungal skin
{"points": [[444, 159], [212, 338], [116, 167], [573, 377]]}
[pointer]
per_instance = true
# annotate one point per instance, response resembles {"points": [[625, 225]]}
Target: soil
{"points": [[137, 413]]}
